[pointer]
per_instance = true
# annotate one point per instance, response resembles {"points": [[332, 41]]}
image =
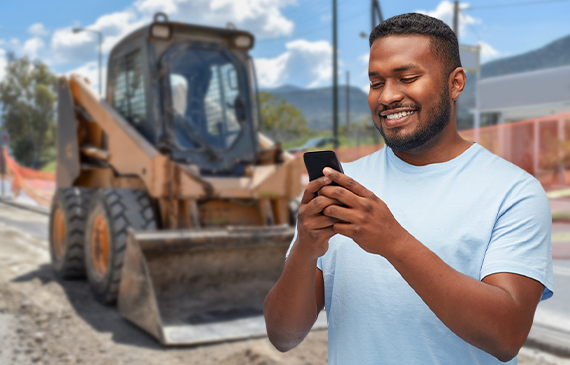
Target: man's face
{"points": [[409, 95]]}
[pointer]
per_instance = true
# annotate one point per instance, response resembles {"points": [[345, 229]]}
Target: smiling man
{"points": [[431, 250]]}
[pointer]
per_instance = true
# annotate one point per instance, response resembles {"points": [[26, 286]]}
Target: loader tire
{"points": [[112, 213], [67, 222]]}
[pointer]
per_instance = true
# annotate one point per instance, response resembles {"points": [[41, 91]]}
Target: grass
{"points": [[49, 167]]}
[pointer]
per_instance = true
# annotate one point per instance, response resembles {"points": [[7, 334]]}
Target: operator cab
{"points": [[190, 91]]}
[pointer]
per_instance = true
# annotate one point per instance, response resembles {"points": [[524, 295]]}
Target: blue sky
{"points": [[293, 36]]}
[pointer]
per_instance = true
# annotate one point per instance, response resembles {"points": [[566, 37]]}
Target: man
{"points": [[432, 250]]}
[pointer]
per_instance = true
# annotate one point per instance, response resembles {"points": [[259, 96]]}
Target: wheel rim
{"points": [[58, 233], [100, 245]]}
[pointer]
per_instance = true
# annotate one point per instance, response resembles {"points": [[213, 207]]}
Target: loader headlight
{"points": [[160, 31], [242, 41]]}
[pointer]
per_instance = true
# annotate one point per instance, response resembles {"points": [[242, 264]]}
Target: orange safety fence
{"points": [[38, 185], [540, 146]]}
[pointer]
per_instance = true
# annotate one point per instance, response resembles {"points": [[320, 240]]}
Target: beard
{"points": [[438, 119]]}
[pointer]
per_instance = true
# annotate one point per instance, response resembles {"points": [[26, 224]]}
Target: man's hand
{"points": [[314, 229], [366, 219]]}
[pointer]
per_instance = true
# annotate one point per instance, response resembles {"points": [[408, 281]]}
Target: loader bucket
{"points": [[202, 286]]}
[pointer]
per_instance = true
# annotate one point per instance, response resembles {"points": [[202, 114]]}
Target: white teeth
{"points": [[399, 115]]}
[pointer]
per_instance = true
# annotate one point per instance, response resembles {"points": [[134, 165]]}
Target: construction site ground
{"points": [[47, 321]]}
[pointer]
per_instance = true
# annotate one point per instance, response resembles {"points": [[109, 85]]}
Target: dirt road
{"points": [[45, 321]]}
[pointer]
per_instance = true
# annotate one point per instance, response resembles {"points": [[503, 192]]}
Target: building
{"points": [[522, 96]]}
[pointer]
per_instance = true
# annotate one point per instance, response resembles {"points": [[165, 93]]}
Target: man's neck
{"points": [[442, 148]]}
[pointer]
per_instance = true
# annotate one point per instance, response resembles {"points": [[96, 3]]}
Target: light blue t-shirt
{"points": [[477, 212]]}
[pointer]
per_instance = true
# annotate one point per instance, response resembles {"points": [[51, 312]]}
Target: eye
{"points": [[376, 85], [410, 79]]}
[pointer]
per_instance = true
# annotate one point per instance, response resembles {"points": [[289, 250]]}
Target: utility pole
{"points": [[347, 104], [375, 11], [456, 18], [335, 77]]}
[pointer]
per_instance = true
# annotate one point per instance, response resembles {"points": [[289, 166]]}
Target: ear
{"points": [[457, 81]]}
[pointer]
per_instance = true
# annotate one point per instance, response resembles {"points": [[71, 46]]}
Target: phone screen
{"points": [[316, 161]]}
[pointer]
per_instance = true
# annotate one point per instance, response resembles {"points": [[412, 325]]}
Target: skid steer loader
{"points": [[169, 200]]}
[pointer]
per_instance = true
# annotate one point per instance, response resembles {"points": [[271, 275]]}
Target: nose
{"points": [[390, 94]]}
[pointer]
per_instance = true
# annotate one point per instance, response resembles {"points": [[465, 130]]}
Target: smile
{"points": [[399, 115]]}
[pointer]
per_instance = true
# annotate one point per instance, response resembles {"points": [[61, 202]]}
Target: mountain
{"points": [[554, 54], [283, 89], [316, 104]]}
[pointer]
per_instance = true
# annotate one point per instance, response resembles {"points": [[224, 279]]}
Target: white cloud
{"points": [[444, 12], [115, 26], [3, 64], [272, 72], [31, 47], [90, 71], [364, 58], [262, 17], [38, 30], [15, 43], [488, 52], [82, 46], [304, 63]]}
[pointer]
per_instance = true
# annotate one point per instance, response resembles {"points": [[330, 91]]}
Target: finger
{"points": [[319, 193], [316, 205], [344, 228], [346, 181], [342, 195], [319, 222], [339, 213], [313, 187]]}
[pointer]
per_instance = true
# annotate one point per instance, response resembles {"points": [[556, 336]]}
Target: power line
{"points": [[470, 25], [514, 4]]}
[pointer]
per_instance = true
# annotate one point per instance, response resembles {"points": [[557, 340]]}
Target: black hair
{"points": [[443, 40]]}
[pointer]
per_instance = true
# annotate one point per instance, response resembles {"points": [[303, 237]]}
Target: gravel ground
{"points": [[46, 321]]}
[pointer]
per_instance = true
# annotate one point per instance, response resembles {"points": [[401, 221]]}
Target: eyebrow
{"points": [[407, 67]]}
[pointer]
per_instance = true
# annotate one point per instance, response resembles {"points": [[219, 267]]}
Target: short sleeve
{"points": [[520, 241]]}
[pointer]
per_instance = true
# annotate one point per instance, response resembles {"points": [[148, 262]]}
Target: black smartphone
{"points": [[316, 161]]}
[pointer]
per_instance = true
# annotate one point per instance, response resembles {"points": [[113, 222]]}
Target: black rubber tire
{"points": [[122, 209], [74, 203]]}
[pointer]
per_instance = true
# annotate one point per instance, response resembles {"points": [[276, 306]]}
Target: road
{"points": [[46, 321]]}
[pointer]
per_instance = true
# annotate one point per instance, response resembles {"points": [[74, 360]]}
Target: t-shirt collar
{"points": [[406, 167]]}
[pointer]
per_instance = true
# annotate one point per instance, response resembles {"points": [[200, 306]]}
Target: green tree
{"points": [[279, 119], [28, 98]]}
